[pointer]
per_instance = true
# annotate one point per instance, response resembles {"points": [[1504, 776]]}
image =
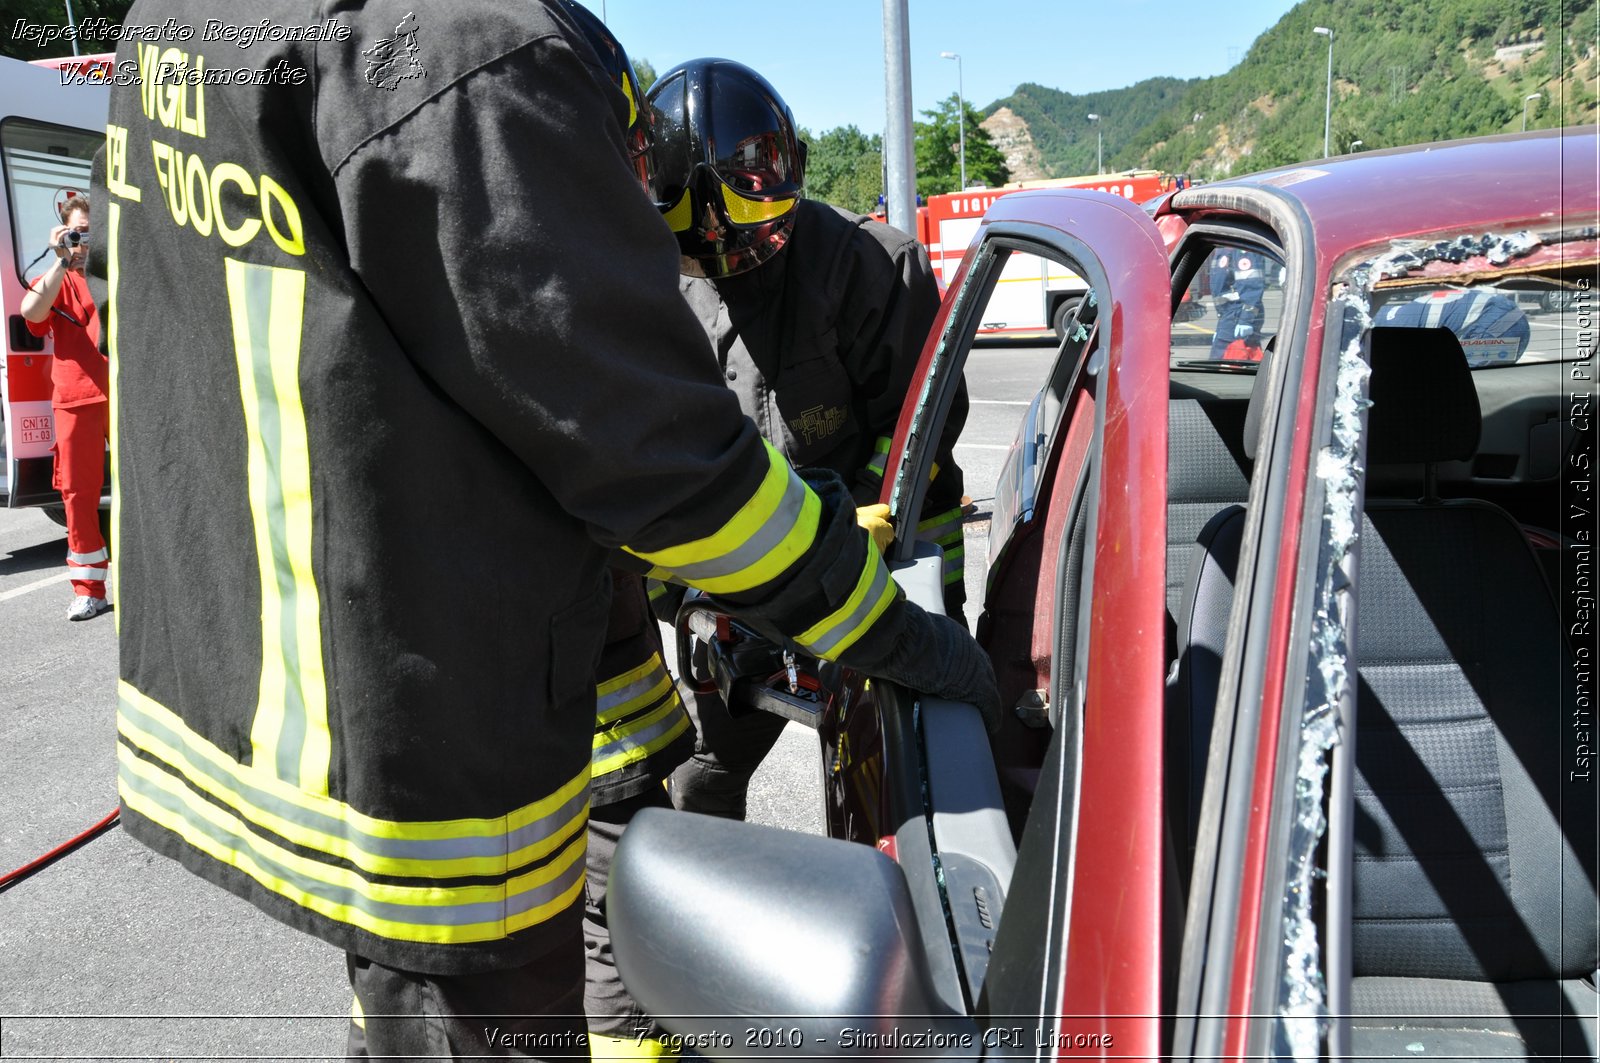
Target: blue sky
{"points": [[826, 56]]}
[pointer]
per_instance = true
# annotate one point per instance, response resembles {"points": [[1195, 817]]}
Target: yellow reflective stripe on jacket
{"points": [[290, 731], [427, 913], [628, 743], [953, 563], [839, 630], [631, 691], [880, 455], [767, 535], [409, 849], [945, 531], [637, 713]]}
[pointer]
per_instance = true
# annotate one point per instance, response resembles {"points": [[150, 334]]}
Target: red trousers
{"points": [[79, 476]]}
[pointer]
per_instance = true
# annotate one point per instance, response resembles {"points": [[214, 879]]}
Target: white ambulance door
{"points": [[49, 133]]}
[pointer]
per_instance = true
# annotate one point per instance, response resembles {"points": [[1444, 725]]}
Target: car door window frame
{"points": [[939, 386], [1043, 987], [1240, 770]]}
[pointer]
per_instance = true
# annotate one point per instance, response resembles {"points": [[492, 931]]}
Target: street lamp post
{"points": [[1354, 144], [1099, 166], [1327, 107], [1525, 101], [73, 22], [961, 115]]}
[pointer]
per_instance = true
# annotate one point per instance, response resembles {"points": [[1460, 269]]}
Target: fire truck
{"points": [[1032, 296], [52, 119]]}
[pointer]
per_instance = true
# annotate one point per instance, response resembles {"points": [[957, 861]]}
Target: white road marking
{"points": [[48, 581]]}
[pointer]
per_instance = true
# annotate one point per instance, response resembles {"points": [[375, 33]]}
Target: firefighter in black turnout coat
{"points": [[816, 318], [399, 362]]}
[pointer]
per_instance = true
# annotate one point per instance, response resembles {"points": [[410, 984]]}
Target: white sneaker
{"points": [[85, 608]]}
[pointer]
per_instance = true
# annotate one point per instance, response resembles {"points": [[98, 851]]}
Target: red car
{"points": [[1300, 652]]}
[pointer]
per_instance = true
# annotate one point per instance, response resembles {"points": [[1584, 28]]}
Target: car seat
{"points": [[1475, 931]]}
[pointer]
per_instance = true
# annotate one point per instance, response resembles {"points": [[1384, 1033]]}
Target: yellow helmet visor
{"points": [[742, 211], [680, 215]]}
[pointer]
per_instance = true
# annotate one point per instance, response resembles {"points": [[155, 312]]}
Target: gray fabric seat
{"points": [[1474, 871], [1206, 469]]}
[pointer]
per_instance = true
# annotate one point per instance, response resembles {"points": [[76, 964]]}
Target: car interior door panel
{"points": [[971, 835], [921, 576]]}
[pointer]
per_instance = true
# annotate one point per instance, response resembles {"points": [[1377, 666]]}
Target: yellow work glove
{"points": [[875, 519]]}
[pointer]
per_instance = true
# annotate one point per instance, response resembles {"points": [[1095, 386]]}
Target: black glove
{"points": [[935, 655]]}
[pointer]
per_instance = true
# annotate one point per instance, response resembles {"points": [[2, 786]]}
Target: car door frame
{"points": [[1103, 927], [1232, 979]]}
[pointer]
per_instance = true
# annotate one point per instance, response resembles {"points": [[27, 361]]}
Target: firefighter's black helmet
{"points": [[619, 71], [728, 167]]}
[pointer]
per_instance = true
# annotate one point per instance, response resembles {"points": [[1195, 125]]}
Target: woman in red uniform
{"points": [[59, 304]]}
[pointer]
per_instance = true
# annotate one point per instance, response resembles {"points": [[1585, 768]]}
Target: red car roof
{"points": [[1543, 180]]}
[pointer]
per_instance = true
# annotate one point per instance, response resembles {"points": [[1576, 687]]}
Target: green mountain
{"points": [[1404, 72], [1056, 127]]}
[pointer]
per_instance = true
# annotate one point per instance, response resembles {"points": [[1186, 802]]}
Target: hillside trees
{"points": [[938, 162], [1404, 72], [844, 166]]}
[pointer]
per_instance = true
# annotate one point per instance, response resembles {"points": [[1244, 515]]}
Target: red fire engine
{"points": [[1032, 295]]}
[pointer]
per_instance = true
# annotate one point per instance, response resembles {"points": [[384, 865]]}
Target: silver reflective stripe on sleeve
{"points": [[100, 556], [769, 536], [837, 632]]}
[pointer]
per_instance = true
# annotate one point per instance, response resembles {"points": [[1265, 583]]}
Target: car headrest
{"points": [[1424, 405]]}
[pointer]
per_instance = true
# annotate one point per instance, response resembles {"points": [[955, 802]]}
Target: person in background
{"points": [[398, 492], [816, 318], [58, 304], [1238, 289]]}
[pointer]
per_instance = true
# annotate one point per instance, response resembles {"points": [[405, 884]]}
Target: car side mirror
{"points": [[747, 941]]}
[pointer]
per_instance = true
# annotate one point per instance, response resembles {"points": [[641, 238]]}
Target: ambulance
{"points": [[52, 120]]}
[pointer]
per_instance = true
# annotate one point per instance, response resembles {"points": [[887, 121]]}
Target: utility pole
{"points": [[1327, 107], [74, 24], [901, 189]]}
